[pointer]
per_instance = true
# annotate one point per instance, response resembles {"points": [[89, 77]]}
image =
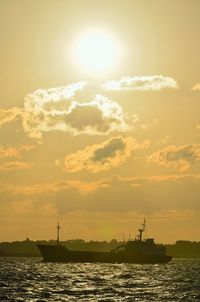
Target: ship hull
{"points": [[59, 253]]}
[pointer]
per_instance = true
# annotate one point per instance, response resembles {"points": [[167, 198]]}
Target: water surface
{"points": [[28, 279]]}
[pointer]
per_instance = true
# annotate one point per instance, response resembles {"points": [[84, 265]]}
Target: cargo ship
{"points": [[133, 251]]}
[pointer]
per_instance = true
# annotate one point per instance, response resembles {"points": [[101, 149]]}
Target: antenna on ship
{"points": [[58, 233], [141, 231]]}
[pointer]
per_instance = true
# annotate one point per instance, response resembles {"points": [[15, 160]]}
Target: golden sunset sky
{"points": [[99, 119]]}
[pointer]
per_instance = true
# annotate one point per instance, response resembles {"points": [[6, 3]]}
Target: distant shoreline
{"points": [[28, 248]]}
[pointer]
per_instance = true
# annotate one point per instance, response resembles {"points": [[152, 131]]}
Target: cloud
{"points": [[145, 193], [38, 98], [8, 115], [100, 157], [53, 109], [15, 165], [44, 108], [124, 201], [8, 152], [81, 187], [141, 83], [100, 116], [196, 87], [181, 157], [111, 205], [88, 187], [25, 218], [12, 152]]}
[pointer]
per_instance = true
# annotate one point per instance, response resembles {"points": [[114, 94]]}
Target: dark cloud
{"points": [[181, 157], [109, 150], [107, 155]]}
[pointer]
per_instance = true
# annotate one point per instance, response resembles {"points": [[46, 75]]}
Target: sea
{"points": [[29, 279]]}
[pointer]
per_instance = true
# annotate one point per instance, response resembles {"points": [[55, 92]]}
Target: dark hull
{"points": [[61, 254]]}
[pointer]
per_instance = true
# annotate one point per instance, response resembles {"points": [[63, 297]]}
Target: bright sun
{"points": [[96, 52]]}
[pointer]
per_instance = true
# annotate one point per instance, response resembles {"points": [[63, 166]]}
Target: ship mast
{"points": [[58, 233], [141, 231]]}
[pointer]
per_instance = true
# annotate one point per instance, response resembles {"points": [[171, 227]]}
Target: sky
{"points": [[99, 119]]}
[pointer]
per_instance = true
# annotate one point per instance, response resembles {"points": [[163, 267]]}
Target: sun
{"points": [[96, 51]]}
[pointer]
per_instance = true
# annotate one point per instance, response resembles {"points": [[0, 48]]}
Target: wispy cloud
{"points": [[15, 165], [42, 96], [196, 87], [99, 157], [8, 115], [181, 157], [14, 152], [141, 83], [83, 187], [87, 187], [11, 158]]}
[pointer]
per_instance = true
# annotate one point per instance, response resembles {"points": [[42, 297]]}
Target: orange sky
{"points": [[99, 119]]}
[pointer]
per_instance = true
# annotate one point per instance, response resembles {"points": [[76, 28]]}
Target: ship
{"points": [[139, 251]]}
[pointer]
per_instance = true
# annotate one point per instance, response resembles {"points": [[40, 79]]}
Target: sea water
{"points": [[29, 279]]}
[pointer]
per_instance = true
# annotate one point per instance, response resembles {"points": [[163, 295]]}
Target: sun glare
{"points": [[96, 52]]}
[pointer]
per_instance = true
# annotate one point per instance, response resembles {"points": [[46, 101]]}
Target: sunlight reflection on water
{"points": [[28, 279]]}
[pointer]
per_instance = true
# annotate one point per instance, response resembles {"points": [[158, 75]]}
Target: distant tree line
{"points": [[184, 249], [28, 248]]}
